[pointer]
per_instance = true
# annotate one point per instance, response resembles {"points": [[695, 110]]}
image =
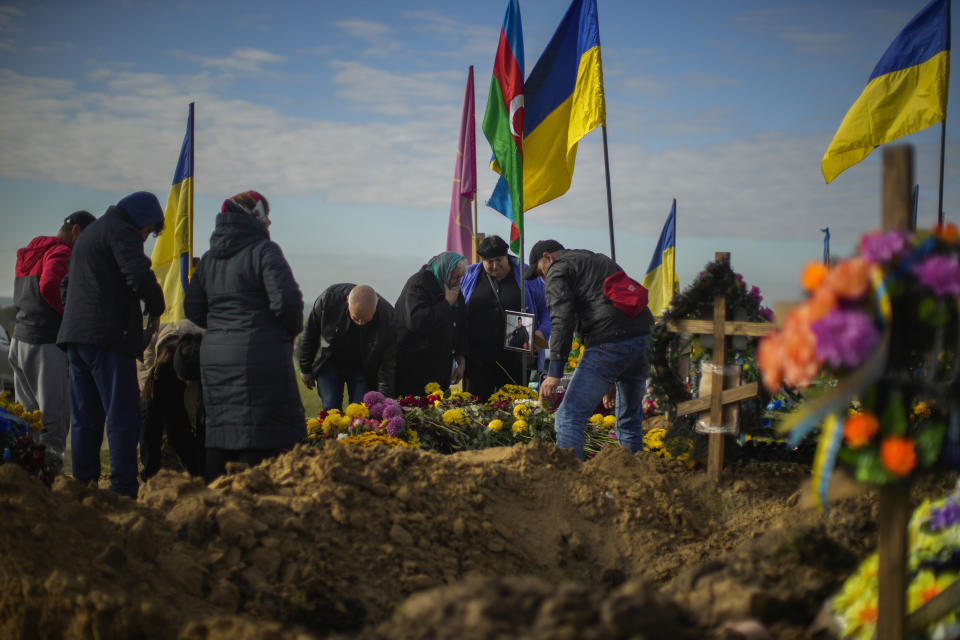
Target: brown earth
{"points": [[521, 542]]}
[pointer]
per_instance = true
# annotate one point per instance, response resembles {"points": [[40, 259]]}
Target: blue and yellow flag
{"points": [[661, 279], [173, 251], [907, 91], [563, 101]]}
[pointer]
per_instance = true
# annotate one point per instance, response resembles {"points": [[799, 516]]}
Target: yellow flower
{"points": [[921, 409], [454, 416], [521, 411], [653, 439], [357, 410], [574, 345], [495, 425], [330, 423], [432, 387], [609, 422], [413, 438], [370, 438], [596, 419], [313, 425], [343, 421], [520, 426], [437, 404]]}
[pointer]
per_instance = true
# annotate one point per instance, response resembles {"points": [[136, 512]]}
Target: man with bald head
{"points": [[349, 339]]}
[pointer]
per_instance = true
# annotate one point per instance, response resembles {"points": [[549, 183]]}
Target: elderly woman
{"points": [[431, 333], [244, 294]]}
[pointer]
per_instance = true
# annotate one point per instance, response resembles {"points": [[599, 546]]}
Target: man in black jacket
{"points": [[349, 339], [614, 352], [102, 332]]}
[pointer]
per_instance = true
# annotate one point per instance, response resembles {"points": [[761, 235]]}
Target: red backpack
{"points": [[626, 294]]}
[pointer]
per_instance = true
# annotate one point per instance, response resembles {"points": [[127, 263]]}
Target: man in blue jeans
{"points": [[102, 333], [349, 339], [614, 357]]}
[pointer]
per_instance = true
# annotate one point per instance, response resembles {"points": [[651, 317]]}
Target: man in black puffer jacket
{"points": [[102, 333], [349, 339], [614, 344]]}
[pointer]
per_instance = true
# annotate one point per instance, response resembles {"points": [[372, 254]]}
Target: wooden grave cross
{"points": [[719, 328]]}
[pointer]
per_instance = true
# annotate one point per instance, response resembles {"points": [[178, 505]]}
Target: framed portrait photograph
{"points": [[519, 331]]}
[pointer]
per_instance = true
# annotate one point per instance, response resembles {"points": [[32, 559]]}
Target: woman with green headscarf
{"points": [[431, 331]]}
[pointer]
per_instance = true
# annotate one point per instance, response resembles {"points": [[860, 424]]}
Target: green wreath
{"points": [[665, 348]]}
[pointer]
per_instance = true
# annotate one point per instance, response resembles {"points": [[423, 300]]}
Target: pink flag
{"points": [[460, 228]]}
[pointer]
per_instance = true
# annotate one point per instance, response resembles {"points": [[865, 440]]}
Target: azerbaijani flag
{"points": [[564, 102], [503, 121], [661, 279], [173, 251], [907, 91]]}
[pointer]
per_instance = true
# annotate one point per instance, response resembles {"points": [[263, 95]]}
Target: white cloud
{"points": [[379, 44], [240, 61]]}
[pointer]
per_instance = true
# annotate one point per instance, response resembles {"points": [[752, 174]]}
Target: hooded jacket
{"points": [[108, 278], [574, 291], [41, 266], [244, 294], [328, 323]]}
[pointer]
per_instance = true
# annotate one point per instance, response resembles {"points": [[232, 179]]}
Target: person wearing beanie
{"points": [[581, 292], [491, 287], [103, 335], [245, 296], [40, 376], [171, 401]]}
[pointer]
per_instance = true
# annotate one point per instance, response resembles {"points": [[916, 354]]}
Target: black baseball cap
{"points": [[536, 253], [82, 218]]}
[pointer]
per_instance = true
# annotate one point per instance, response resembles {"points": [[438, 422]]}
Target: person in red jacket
{"points": [[40, 376]]}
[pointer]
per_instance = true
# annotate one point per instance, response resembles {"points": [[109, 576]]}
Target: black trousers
{"points": [[485, 375]]}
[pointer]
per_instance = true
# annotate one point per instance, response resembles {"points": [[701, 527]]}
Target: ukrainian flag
{"points": [[907, 91], [563, 102], [173, 251], [661, 279]]}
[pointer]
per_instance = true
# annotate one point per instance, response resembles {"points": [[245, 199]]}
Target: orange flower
{"points": [[868, 614], [800, 363], [898, 455], [813, 275], [822, 302], [860, 428], [770, 361], [947, 232], [849, 279]]}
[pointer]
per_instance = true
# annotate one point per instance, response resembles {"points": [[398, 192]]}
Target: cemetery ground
{"points": [[381, 542]]}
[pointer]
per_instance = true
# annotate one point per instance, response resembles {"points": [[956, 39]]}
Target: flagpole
{"points": [[474, 232], [606, 167], [943, 137]]}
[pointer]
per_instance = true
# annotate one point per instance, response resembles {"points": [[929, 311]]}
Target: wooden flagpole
{"points": [[943, 137]]}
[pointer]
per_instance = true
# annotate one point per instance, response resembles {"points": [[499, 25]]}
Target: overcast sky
{"points": [[345, 116]]}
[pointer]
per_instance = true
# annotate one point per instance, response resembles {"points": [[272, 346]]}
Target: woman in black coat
{"points": [[244, 294], [431, 326]]}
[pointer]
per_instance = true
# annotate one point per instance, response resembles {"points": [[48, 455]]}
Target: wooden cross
{"points": [[719, 328]]}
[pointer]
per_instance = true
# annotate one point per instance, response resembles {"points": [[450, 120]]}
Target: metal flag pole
{"points": [[943, 136], [606, 167]]}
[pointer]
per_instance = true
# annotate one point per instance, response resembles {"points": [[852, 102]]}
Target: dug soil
{"points": [[344, 542]]}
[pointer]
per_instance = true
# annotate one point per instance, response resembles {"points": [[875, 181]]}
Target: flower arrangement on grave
{"points": [[667, 388], [17, 442], [884, 325], [933, 538], [449, 422]]}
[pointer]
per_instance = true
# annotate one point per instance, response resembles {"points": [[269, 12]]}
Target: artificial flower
{"points": [[860, 428], [921, 409], [947, 232], [882, 246], [845, 337], [813, 276], [940, 274], [849, 279], [898, 455]]}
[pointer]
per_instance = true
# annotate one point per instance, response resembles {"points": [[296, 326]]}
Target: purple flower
{"points": [[946, 517], [376, 410], [755, 294], [391, 410], [940, 274], [395, 426], [373, 397], [845, 337], [882, 246], [767, 313]]}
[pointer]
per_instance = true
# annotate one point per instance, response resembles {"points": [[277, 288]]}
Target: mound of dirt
{"points": [[520, 542]]}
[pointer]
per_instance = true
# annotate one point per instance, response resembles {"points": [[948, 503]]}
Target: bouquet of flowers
{"points": [[883, 326], [17, 444]]}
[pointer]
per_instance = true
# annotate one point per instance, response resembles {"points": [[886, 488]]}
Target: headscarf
{"points": [[444, 264], [249, 202]]}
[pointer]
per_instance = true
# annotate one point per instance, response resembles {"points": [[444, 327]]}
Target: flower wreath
{"points": [[696, 302]]}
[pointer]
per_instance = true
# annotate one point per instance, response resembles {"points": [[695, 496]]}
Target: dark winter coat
{"points": [[109, 275], [41, 266], [244, 294], [430, 334], [574, 291], [329, 321]]}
